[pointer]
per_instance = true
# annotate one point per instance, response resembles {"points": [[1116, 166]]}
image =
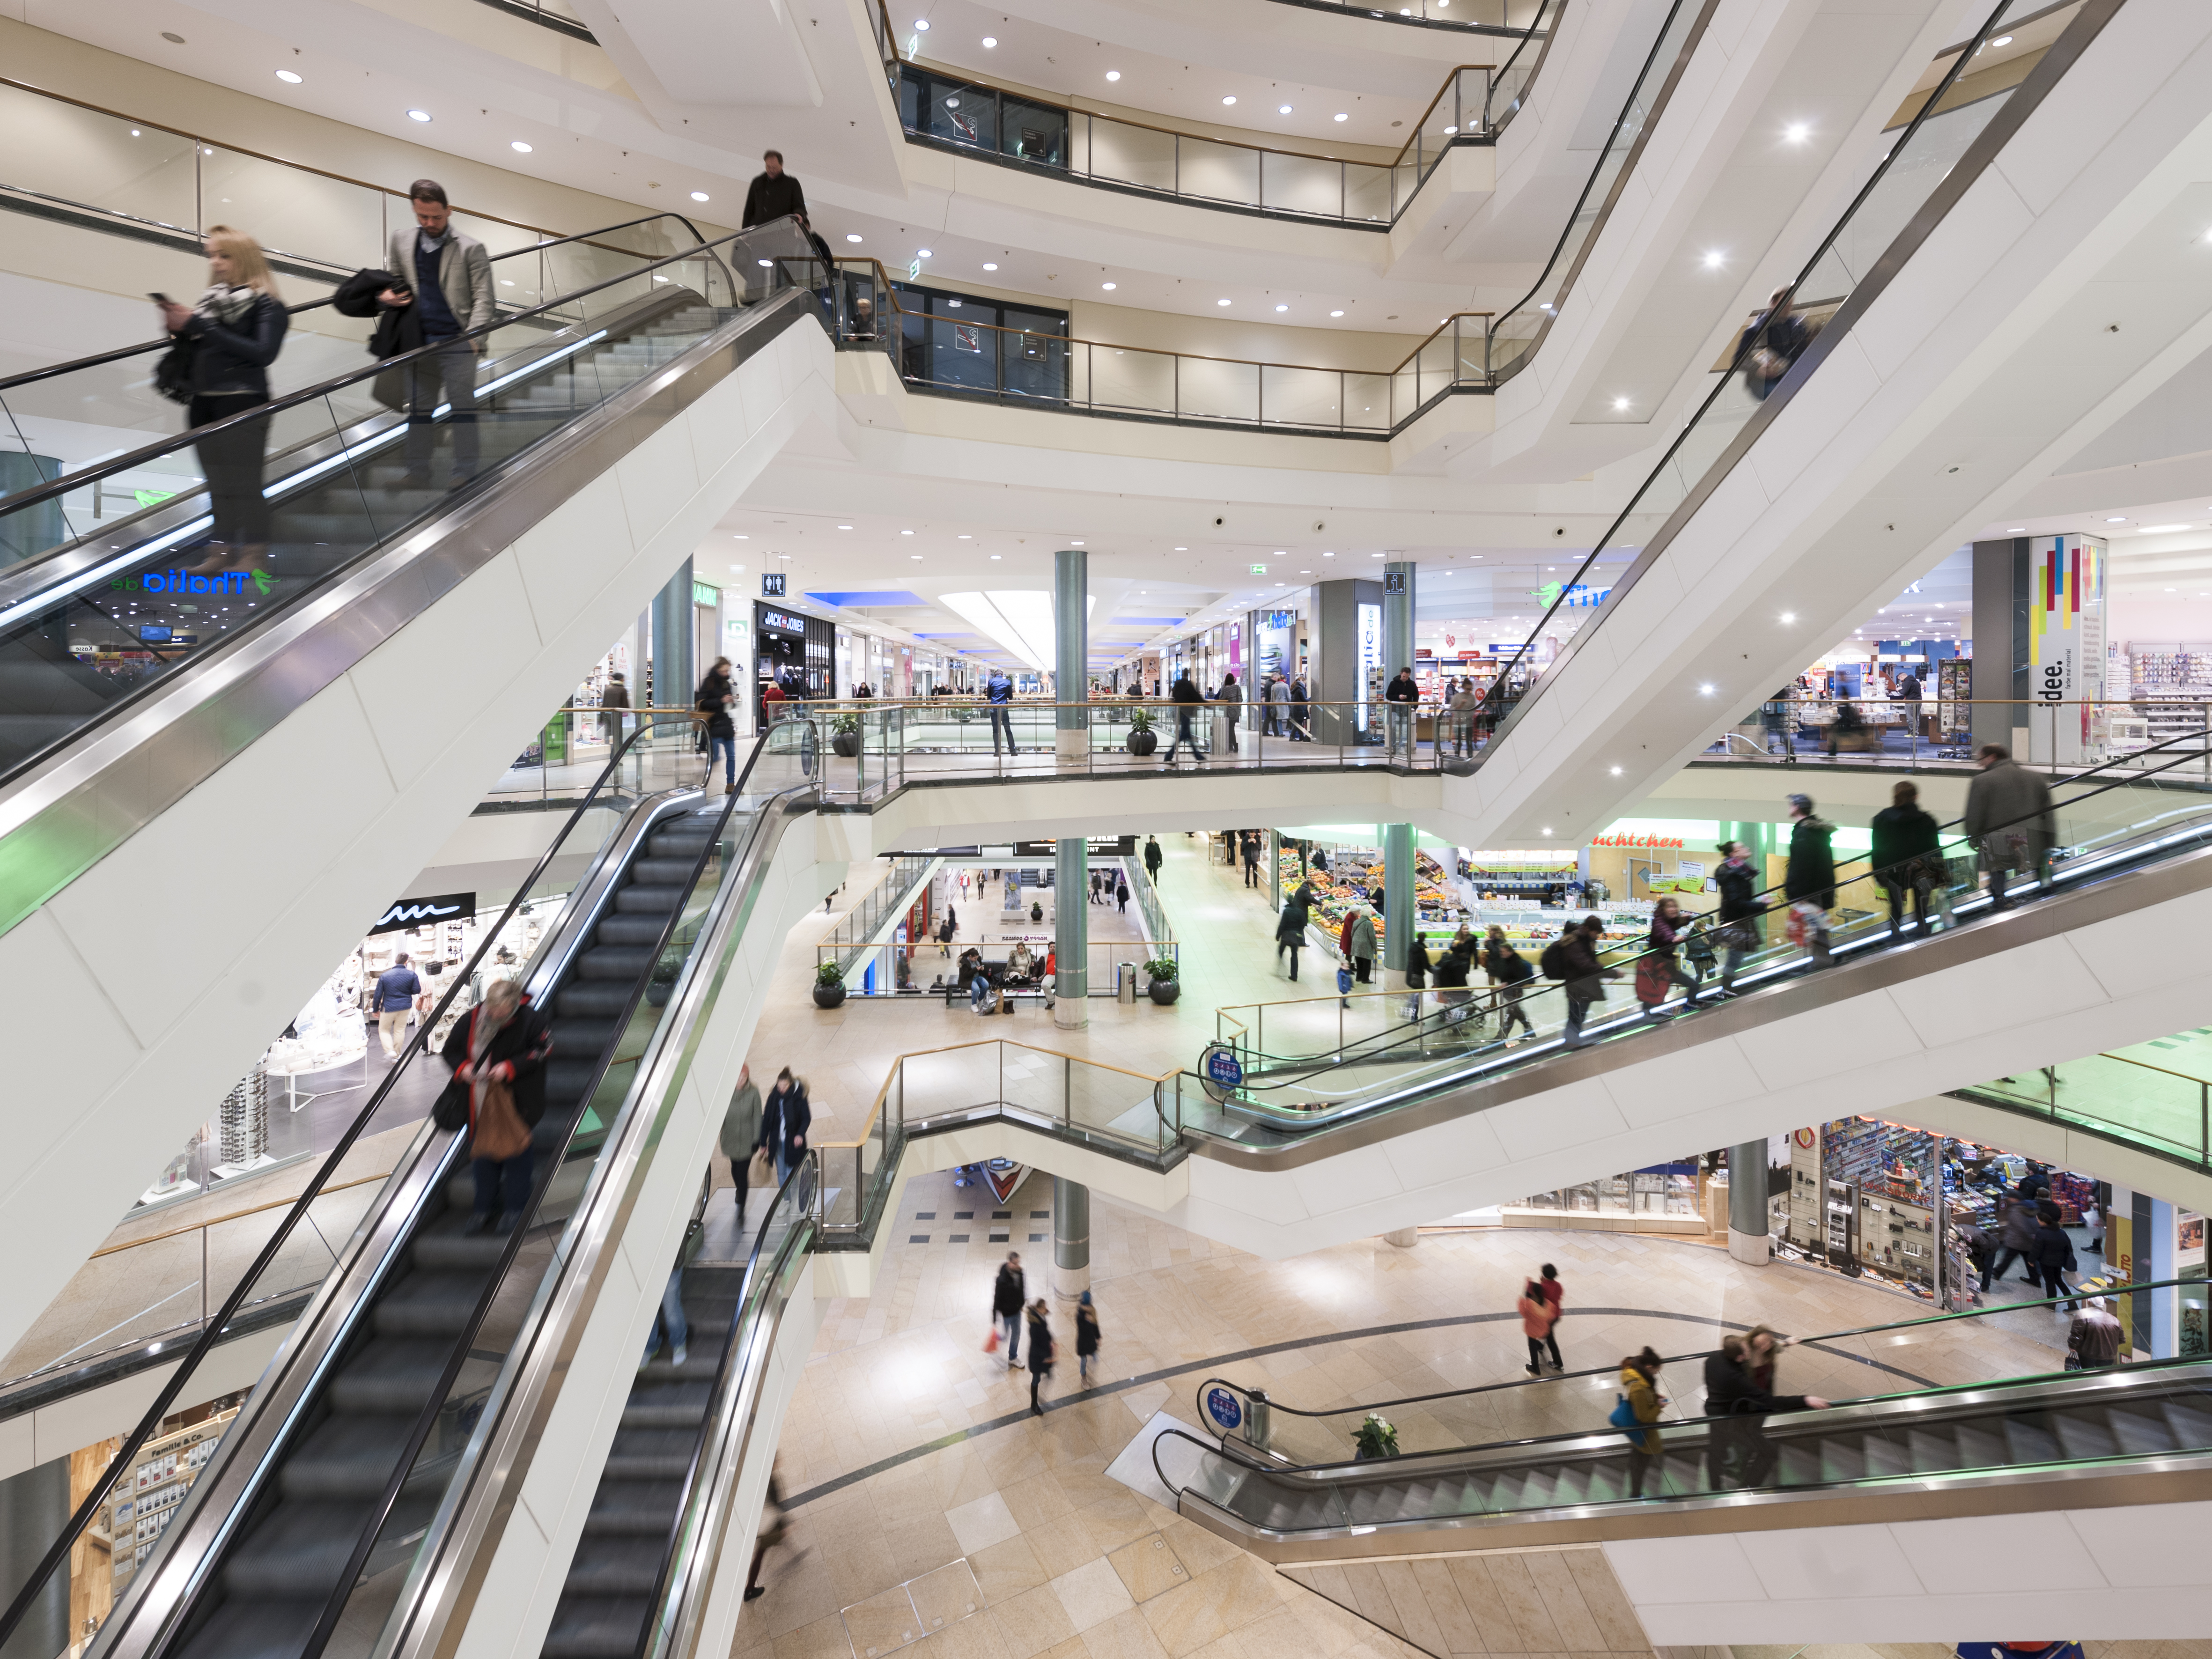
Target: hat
{"points": [[1800, 803]]}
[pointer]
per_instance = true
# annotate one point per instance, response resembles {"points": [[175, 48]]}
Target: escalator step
{"points": [[633, 1509], [644, 898], [296, 1553], [1843, 1457], [1606, 1483], [2140, 1430], [567, 1079], [597, 1627], [428, 1305], [581, 1038], [1537, 1487], [616, 1567], [434, 1251], [674, 874], [644, 930], [2084, 1432], [2029, 1438], [254, 1630], [1799, 1464], [672, 1414], [2189, 1422], [596, 999], [1931, 1450], [623, 961], [1570, 1484], [390, 1375], [1981, 1445], [350, 1456]]}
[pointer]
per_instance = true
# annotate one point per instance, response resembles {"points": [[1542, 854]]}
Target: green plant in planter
{"points": [[829, 973], [1141, 719], [1161, 967], [1375, 1438], [847, 724]]}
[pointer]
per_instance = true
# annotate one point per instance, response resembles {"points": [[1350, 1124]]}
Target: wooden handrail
{"points": [[898, 1064], [235, 1215]]}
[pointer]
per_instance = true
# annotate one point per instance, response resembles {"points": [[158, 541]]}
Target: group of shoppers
{"points": [[1012, 1312]]}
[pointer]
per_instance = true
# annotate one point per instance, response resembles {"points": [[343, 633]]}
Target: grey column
{"points": [[1071, 934], [1071, 1238], [673, 675], [1071, 640], [2001, 664], [1397, 838], [1748, 1239], [1397, 894]]}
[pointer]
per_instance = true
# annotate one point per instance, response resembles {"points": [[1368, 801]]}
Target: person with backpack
{"points": [[1739, 912], [1809, 882], [1509, 972], [1635, 1411], [1659, 970], [1571, 959]]}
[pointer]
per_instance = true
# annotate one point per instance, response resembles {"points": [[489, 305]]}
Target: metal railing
{"points": [[1508, 17], [2166, 1111]]}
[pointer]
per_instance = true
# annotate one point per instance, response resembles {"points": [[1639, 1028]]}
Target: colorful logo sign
{"points": [[1222, 1067], [1223, 1407]]}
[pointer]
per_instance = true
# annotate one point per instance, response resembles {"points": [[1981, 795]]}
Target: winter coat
{"points": [[2006, 797], [399, 328], [1040, 1345], [1007, 1292], [1362, 936], [785, 1117], [1537, 1315], [2018, 1229], [233, 357], [1731, 1390], [1086, 1331], [1738, 881], [715, 692], [1811, 872], [1417, 964], [2053, 1248], [1643, 1401], [741, 1122], [1902, 833], [523, 1042]]}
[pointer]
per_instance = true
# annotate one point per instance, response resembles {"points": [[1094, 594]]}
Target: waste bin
{"points": [[1124, 982]]}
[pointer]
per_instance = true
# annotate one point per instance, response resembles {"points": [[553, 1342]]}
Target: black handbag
{"points": [[173, 375], [451, 1113]]}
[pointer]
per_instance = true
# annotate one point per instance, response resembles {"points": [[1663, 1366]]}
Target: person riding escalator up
{"points": [[1775, 340]]}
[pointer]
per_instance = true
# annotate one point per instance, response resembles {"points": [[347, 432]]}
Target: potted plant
{"points": [[1374, 1439], [828, 985], [1142, 739], [1163, 989], [845, 735]]}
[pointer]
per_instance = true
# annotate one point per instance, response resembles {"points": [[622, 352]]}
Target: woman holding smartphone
{"points": [[236, 329]]}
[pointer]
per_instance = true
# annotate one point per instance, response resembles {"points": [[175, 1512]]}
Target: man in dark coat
{"points": [[784, 1118], [2008, 816], [1006, 1294], [774, 194], [1810, 879]]}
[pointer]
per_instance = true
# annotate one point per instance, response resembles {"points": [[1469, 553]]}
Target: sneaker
{"points": [[682, 1353]]}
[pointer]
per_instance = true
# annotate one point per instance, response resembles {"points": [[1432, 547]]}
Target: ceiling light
{"points": [[1789, 616], [1704, 690], [1282, 109], [2121, 520], [988, 265], [906, 532], [2017, 530], [1340, 116], [1221, 302], [990, 41], [1714, 259], [1450, 130], [2162, 529], [1328, 556], [1616, 771], [995, 556], [2001, 40], [741, 538], [963, 538], [1282, 307], [1336, 313], [921, 253], [1230, 99], [852, 235], [1108, 287], [1075, 544], [287, 77], [418, 115], [921, 24], [1798, 133], [844, 526], [1183, 549], [698, 195], [766, 263], [1619, 405], [519, 147], [914, 555], [1113, 74]]}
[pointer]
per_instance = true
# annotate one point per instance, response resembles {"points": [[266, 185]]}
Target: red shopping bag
{"points": [[991, 1342]]}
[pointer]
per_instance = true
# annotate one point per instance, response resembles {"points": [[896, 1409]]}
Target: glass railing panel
{"points": [[958, 112], [1036, 1081], [1367, 402], [1214, 389], [1116, 377], [949, 1080], [1217, 172], [71, 154], [292, 213], [1302, 184], [1126, 154], [1032, 131], [1121, 1106], [1301, 396], [1372, 192]]}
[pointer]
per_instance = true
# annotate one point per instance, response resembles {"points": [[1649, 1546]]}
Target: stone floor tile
{"points": [[1031, 1623], [1006, 1570], [945, 1596], [1126, 1636], [981, 1523], [1148, 1568], [1063, 1546], [1114, 1520], [1093, 1594], [1188, 1617], [825, 1639]]}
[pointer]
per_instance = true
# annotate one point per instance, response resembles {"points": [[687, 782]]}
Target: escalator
{"points": [[1298, 1486], [369, 1458]]}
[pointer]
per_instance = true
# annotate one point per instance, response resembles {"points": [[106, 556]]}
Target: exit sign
{"points": [[1258, 570], [772, 587]]}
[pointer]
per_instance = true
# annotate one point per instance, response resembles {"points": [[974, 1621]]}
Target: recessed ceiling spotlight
{"points": [[921, 253], [287, 77], [1715, 259], [2001, 40], [995, 556], [1704, 690], [1108, 287], [2118, 519], [1221, 302], [1075, 544], [1113, 74], [1616, 771], [922, 25], [1230, 99], [1620, 405], [1789, 616], [1341, 115], [906, 532], [914, 555], [418, 115], [519, 147], [1336, 313], [963, 538], [2017, 530], [1282, 307], [1796, 132], [698, 195], [990, 41], [1183, 549], [844, 526], [988, 265], [766, 263], [1282, 109]]}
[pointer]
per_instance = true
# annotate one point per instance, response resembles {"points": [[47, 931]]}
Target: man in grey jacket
{"points": [[446, 277], [2008, 817]]}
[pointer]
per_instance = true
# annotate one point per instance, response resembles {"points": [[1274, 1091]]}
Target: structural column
{"points": [[1071, 1238], [1071, 640], [1748, 1239], [1071, 934], [1397, 838], [2000, 683], [673, 675]]}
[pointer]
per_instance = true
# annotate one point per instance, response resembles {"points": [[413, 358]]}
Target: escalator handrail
{"points": [[137, 458], [30, 376], [149, 1424], [804, 1172], [426, 1424], [1536, 24], [1799, 371], [1277, 1405]]}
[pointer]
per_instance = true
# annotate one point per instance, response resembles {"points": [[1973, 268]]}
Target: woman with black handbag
{"points": [[498, 1090], [219, 368]]}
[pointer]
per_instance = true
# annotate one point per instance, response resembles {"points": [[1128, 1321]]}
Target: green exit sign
{"points": [[1258, 570]]}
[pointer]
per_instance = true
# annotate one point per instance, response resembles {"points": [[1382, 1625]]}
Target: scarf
{"points": [[481, 1032], [229, 305]]}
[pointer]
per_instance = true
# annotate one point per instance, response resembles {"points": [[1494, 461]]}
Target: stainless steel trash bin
{"points": [[1124, 982]]}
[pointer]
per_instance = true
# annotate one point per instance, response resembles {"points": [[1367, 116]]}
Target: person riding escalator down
{"points": [[1809, 881], [498, 1089], [1737, 1452], [1906, 856], [1776, 338]]}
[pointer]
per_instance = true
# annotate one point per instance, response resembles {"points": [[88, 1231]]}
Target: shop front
{"points": [[797, 651]]}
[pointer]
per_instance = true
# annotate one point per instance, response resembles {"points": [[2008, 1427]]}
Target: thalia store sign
{"points": [[231, 582]]}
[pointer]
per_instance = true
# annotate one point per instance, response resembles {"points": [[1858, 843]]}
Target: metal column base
{"points": [[1752, 1249]]}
